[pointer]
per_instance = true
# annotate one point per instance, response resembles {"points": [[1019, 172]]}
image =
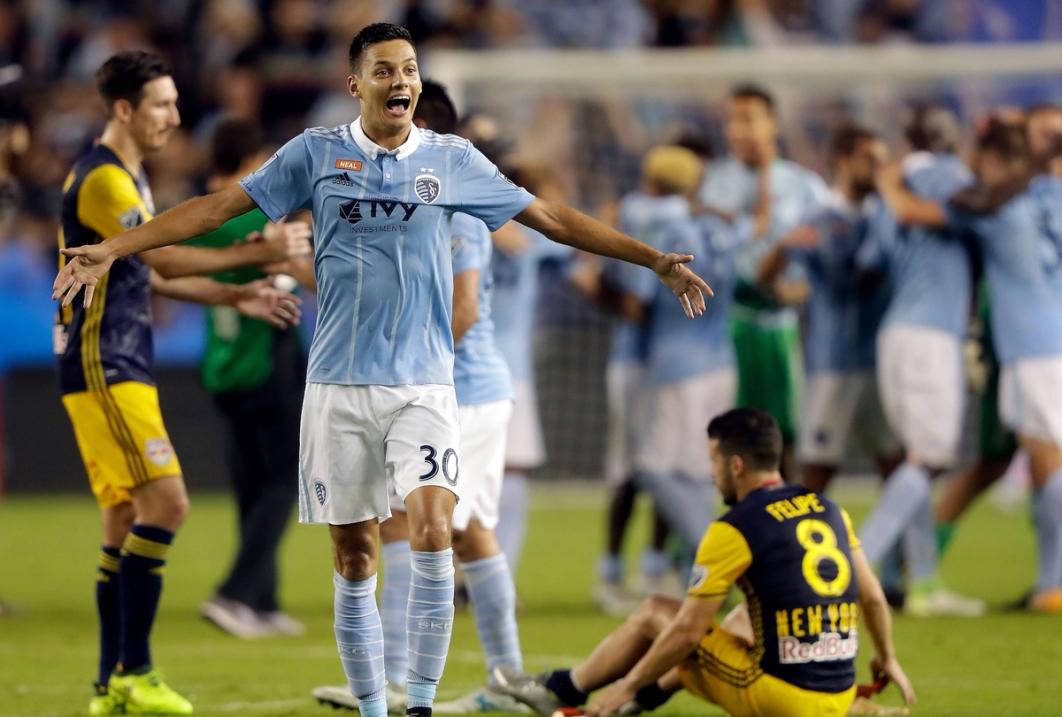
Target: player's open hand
{"points": [[84, 267], [687, 286], [891, 671], [286, 240], [608, 701], [261, 300]]}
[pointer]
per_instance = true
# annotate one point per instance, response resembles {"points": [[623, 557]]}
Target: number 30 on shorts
{"points": [[448, 464], [820, 542]]}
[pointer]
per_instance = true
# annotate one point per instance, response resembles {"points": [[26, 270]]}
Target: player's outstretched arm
{"points": [[879, 623], [569, 226], [87, 264], [277, 243], [670, 647], [257, 299]]}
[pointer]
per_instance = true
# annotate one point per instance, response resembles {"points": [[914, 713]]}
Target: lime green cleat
{"points": [[106, 703], [147, 694]]}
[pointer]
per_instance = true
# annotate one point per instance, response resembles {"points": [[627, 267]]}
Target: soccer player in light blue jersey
{"points": [[920, 368], [768, 196], [843, 313], [670, 176], [1021, 244], [516, 264], [380, 406], [690, 376]]}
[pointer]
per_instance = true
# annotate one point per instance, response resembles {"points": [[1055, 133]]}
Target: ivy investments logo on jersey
{"points": [[363, 215]]}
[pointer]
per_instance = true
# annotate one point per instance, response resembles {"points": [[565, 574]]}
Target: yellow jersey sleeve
{"points": [[108, 201], [722, 557], [853, 539]]}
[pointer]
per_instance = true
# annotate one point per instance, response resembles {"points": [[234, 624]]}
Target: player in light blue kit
{"points": [[380, 407], [670, 176], [690, 377], [1021, 243], [484, 401], [767, 196], [919, 363], [843, 313], [517, 262]]}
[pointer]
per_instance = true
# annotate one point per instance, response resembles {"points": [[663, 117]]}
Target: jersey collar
{"points": [[372, 150]]}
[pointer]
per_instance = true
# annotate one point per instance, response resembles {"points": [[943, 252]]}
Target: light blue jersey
{"points": [[1022, 247], [732, 187], [643, 217], [382, 244], [480, 373], [515, 299], [681, 348], [842, 313], [930, 269]]}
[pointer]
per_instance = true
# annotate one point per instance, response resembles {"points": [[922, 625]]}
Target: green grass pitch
{"points": [[1004, 664]]}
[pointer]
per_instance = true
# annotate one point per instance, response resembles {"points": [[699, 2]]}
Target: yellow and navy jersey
{"points": [[790, 552], [110, 341]]}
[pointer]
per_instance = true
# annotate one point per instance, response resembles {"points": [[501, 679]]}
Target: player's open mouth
{"points": [[398, 105]]}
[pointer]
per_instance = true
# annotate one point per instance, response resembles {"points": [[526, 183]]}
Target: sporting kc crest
{"points": [[427, 187]]}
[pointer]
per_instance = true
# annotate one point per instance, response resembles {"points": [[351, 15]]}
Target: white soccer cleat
{"points": [[339, 697], [943, 603], [529, 689], [482, 700], [234, 618], [281, 623]]}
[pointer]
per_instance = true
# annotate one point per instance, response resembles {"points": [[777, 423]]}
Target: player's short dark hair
{"points": [[123, 76], [372, 35], [932, 127], [436, 108], [234, 141], [750, 91], [1008, 140], [696, 143], [750, 433], [847, 138]]}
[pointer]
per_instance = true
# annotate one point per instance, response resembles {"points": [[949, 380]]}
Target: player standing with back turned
{"points": [[380, 401]]}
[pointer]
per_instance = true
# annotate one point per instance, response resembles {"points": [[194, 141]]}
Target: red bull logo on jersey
{"points": [[829, 647]]}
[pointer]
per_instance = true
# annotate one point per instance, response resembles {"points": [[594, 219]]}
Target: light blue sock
{"points": [[429, 621], [920, 544], [394, 599], [490, 586], [905, 491], [610, 568], [359, 637], [1047, 504], [654, 564], [512, 516]]}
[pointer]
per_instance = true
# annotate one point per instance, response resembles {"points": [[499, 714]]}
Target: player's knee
{"points": [[432, 535], [655, 610], [355, 559]]}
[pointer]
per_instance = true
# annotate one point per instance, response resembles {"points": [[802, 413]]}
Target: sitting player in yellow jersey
{"points": [[105, 361], [791, 652]]}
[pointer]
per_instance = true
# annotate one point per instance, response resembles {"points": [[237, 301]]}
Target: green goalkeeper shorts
{"points": [[770, 369], [994, 440]]}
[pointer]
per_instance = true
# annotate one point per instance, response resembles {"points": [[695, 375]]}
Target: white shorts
{"points": [[920, 377], [1030, 398], [626, 393], [483, 431], [523, 446], [676, 433], [842, 408], [356, 440]]}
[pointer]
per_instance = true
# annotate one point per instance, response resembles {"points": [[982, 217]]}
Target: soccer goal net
{"points": [[587, 118]]}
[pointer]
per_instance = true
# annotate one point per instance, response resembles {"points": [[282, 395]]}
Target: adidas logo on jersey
{"points": [[343, 180]]}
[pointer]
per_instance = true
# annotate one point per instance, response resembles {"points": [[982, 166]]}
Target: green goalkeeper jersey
{"points": [[239, 350]]}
